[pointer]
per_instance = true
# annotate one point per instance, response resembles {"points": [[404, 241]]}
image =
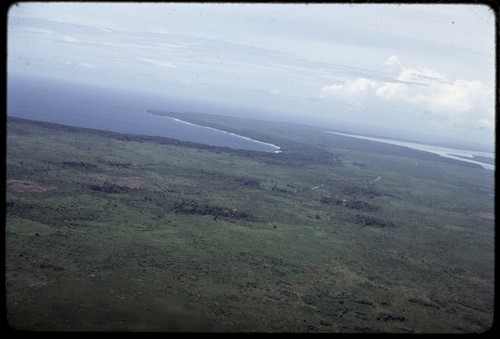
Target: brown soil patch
{"points": [[130, 182], [27, 186]]}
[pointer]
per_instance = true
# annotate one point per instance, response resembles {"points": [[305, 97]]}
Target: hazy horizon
{"points": [[426, 70]]}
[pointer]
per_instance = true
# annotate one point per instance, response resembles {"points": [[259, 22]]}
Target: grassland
{"points": [[112, 232]]}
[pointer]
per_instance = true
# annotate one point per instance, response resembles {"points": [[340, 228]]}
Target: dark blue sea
{"points": [[113, 110]]}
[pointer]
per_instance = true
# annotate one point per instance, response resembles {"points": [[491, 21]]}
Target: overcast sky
{"points": [[422, 68]]}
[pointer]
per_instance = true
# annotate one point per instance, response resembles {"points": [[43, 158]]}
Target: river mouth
{"points": [[485, 160]]}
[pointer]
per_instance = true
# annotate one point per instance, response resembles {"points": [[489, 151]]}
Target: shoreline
{"points": [[278, 148]]}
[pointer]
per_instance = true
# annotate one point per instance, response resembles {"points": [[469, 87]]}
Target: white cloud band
{"points": [[420, 90]]}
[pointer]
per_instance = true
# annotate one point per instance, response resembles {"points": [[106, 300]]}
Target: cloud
{"points": [[393, 64], [38, 30], [67, 38], [85, 65], [48, 34], [81, 64], [419, 90], [160, 63]]}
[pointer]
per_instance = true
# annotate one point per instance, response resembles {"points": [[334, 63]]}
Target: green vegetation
{"points": [[112, 232]]}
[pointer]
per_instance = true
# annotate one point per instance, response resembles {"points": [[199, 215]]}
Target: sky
{"points": [[421, 69]]}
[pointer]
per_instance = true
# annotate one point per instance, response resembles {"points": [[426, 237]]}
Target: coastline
{"points": [[278, 149]]}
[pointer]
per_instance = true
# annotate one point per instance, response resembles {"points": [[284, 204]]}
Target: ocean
{"points": [[113, 110]]}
